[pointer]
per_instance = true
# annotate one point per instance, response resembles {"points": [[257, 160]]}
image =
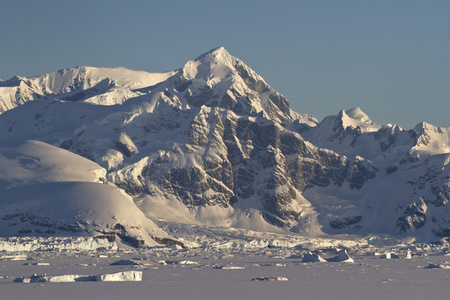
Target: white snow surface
{"points": [[45, 190], [37, 162]]}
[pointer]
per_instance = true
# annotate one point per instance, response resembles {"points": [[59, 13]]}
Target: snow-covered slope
{"points": [[47, 191], [213, 143]]}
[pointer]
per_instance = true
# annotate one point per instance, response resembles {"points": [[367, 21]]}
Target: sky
{"points": [[391, 58]]}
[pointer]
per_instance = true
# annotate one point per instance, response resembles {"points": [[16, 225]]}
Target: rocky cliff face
{"points": [[214, 138]]}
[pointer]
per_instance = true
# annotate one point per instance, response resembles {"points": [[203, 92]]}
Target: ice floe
{"points": [[120, 276], [14, 257], [273, 278], [229, 268]]}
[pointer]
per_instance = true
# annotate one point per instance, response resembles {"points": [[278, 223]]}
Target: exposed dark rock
{"points": [[442, 195], [135, 242], [442, 231], [345, 222], [125, 149], [359, 172], [182, 84], [414, 216], [110, 237], [391, 169], [168, 242]]}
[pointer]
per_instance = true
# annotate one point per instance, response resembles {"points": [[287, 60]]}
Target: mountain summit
{"points": [[213, 143]]}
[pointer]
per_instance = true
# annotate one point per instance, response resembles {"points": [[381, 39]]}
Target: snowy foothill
{"points": [[46, 191]]}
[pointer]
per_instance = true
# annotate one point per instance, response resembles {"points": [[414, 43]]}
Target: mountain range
{"points": [[211, 143]]}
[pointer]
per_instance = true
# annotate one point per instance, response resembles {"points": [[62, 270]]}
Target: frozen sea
{"points": [[222, 266]]}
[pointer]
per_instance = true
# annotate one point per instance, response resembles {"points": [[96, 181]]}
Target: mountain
{"points": [[213, 143]]}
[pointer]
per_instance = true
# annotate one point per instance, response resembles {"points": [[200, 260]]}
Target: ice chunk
{"points": [[37, 264], [274, 278], [121, 276], [435, 266], [59, 278], [125, 262], [187, 262], [229, 267], [14, 257], [310, 257], [342, 256], [389, 255]]}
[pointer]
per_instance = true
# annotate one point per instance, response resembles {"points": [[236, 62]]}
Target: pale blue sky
{"points": [[391, 58]]}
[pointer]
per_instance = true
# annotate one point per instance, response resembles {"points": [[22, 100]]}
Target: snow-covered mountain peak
{"points": [[216, 54], [84, 77], [357, 114], [102, 86], [423, 126], [13, 81], [217, 79], [431, 139], [217, 64], [356, 118]]}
